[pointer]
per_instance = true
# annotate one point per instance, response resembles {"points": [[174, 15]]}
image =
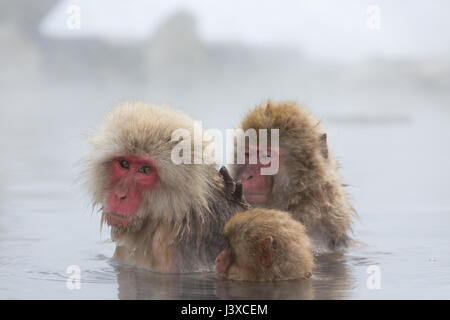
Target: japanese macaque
{"points": [[307, 183], [163, 216], [265, 245]]}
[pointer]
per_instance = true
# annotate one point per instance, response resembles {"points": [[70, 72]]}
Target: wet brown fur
{"points": [[308, 184], [291, 247]]}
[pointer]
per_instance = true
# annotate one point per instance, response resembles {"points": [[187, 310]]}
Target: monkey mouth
{"points": [[119, 220]]}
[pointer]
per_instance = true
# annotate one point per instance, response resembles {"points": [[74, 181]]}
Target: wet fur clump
{"points": [[291, 256]]}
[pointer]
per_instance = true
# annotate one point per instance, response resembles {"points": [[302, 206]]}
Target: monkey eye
{"points": [[146, 170], [124, 164]]}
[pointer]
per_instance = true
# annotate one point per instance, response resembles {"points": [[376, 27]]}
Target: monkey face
{"points": [[227, 266], [257, 187], [130, 178], [224, 260], [241, 261]]}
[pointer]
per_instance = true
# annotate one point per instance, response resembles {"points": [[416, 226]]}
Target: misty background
{"points": [[376, 73]]}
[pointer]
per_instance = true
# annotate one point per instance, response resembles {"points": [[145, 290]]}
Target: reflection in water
{"points": [[330, 281], [137, 283], [332, 278], [291, 289]]}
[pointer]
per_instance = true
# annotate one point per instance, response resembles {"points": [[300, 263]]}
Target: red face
{"points": [[223, 261], [130, 177], [256, 187]]}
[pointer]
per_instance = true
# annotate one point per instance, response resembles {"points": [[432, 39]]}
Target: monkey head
{"points": [[302, 155], [265, 245], [130, 174]]}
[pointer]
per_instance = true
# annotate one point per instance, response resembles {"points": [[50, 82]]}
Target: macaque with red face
{"points": [[164, 216], [257, 185], [307, 183], [265, 245], [130, 177]]}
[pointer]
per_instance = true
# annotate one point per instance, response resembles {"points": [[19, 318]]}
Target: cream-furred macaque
{"points": [[164, 216]]}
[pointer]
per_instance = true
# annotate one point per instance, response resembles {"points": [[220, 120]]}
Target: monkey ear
{"points": [[324, 145], [265, 257]]}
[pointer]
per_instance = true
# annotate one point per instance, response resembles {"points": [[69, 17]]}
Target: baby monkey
{"points": [[265, 245]]}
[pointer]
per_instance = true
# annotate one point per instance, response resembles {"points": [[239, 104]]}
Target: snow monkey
{"points": [[307, 183], [265, 245], [163, 216]]}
